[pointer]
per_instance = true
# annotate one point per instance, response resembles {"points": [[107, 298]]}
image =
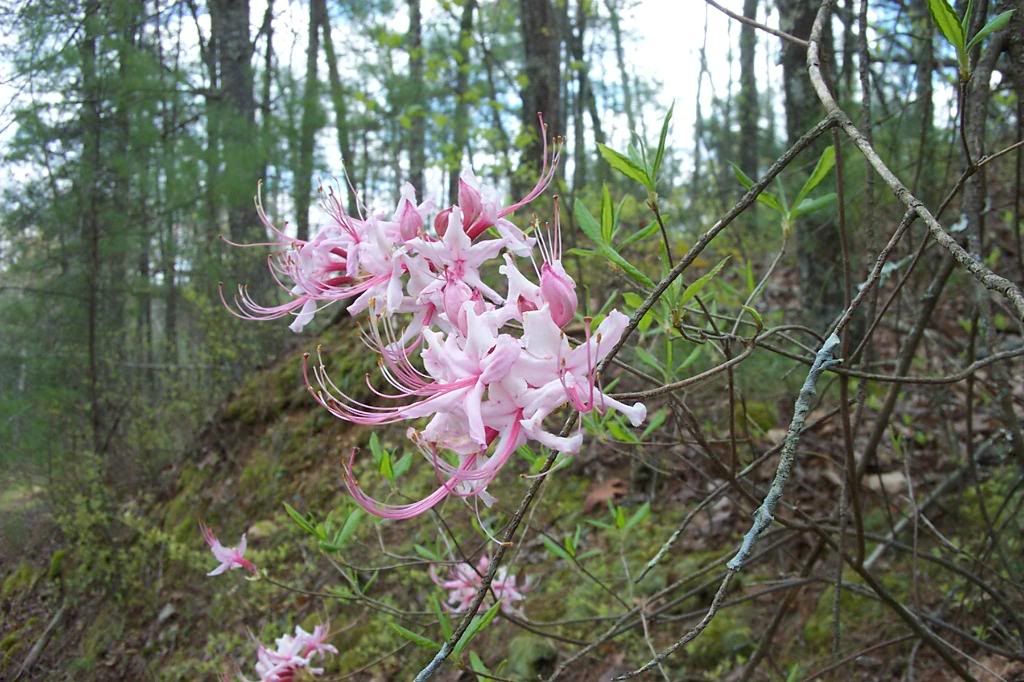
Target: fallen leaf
{"points": [[612, 489]]}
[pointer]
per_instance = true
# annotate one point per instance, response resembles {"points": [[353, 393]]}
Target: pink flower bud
{"points": [[441, 221], [410, 222], [559, 292]]}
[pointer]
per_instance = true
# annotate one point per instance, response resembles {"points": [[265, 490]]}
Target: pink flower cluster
{"points": [[486, 368], [293, 653], [464, 582]]}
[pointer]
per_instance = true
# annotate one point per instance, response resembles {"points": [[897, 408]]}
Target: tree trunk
{"points": [[310, 124], [821, 293], [340, 108], [90, 220], [748, 105], [620, 58], [461, 117], [230, 29], [418, 131], [541, 92]]}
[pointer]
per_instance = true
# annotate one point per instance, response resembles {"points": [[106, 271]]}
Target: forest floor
{"points": [[100, 582]]}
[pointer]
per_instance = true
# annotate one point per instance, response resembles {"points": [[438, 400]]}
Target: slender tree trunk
{"points": [[418, 131], [461, 117], [266, 130], [748, 100], [340, 107], [310, 124], [820, 291], [89, 191], [541, 92], [230, 23], [620, 58]]}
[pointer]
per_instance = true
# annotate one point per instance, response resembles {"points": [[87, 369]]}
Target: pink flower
{"points": [[464, 581], [229, 557], [293, 653]]}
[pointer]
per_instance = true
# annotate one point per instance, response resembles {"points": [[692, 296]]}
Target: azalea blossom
{"points": [[229, 557], [464, 581], [292, 654], [472, 350]]}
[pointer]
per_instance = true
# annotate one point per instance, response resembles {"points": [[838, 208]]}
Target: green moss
{"points": [[19, 582], [726, 638], [105, 629]]}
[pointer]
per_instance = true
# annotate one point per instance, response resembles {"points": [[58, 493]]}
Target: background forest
{"points": [[742, 178]]}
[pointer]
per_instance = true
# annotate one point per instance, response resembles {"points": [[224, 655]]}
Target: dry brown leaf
{"points": [[600, 493]]}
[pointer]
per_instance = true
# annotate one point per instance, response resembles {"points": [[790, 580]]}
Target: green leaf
{"points": [[475, 626], [965, 21], [639, 235], [660, 154], [300, 520], [998, 23], [403, 464], [442, 618], [582, 253], [758, 320], [638, 516], [624, 165], [607, 215], [631, 271], [386, 470], [426, 553], [947, 21], [477, 665], [826, 162], [349, 528], [695, 288], [814, 204], [654, 423], [765, 197], [555, 548], [587, 223], [690, 359], [649, 359], [375, 447], [418, 640]]}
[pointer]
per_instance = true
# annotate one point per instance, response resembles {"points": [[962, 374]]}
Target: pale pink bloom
{"points": [[229, 557], [464, 581], [293, 653]]}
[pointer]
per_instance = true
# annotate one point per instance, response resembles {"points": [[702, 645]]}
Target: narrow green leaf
{"points": [[587, 222], [477, 665], [690, 359], [649, 359], [765, 197], [814, 204], [299, 519], [417, 639], [582, 253], [638, 516], [639, 235], [826, 162], [624, 165], [948, 23], [998, 23], [442, 618], [426, 553], [607, 215], [386, 470], [349, 528], [654, 423], [691, 291], [965, 21], [659, 155], [555, 548], [375, 449], [475, 626], [758, 320], [403, 464], [631, 271]]}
